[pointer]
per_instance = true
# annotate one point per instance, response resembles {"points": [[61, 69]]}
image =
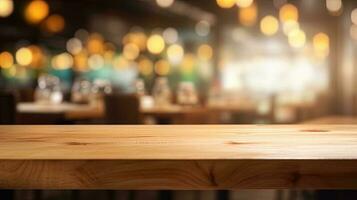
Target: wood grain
{"points": [[178, 157]]}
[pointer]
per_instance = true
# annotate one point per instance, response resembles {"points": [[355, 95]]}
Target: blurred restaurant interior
{"points": [[177, 62]]}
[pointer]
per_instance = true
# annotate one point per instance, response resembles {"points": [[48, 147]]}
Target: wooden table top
{"points": [[178, 157], [191, 142]]}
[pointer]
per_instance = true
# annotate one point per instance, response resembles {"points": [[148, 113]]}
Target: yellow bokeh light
{"points": [[24, 56], [289, 26], [226, 3], [188, 63], [244, 3], [288, 12], [162, 67], [36, 11], [321, 43], [175, 53], [269, 25], [55, 24], [6, 60], [248, 16], [6, 8], [131, 51], [155, 44], [204, 52], [145, 67], [62, 61], [297, 38]]}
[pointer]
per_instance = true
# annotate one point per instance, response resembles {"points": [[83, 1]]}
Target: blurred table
{"points": [[178, 157], [333, 119], [174, 113], [70, 111]]}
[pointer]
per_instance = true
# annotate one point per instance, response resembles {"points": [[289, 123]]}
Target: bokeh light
{"points": [[297, 38], [96, 61], [204, 52], [334, 6], [170, 35], [6, 60], [244, 3], [354, 16], [203, 28], [226, 3], [269, 25], [55, 23], [248, 15], [24, 56], [321, 43], [38, 57], [145, 67], [36, 11], [164, 3], [188, 63], [81, 61], [155, 44], [175, 53], [288, 12], [131, 51], [162, 67], [6, 8], [289, 26], [95, 44], [120, 62], [62, 61], [74, 46], [137, 38]]}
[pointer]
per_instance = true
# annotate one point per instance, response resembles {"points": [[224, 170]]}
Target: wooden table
{"points": [[70, 111], [178, 157]]}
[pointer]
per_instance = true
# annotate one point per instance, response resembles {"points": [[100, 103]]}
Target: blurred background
{"points": [[176, 62]]}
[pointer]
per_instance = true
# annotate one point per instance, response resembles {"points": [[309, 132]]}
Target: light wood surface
{"points": [[70, 111], [178, 157]]}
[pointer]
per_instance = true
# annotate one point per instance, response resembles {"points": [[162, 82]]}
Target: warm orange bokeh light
{"points": [[6, 60], [36, 11], [226, 3], [55, 23], [288, 12], [248, 16]]}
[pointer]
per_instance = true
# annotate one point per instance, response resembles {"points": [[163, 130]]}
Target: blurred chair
{"points": [[122, 109], [7, 108]]}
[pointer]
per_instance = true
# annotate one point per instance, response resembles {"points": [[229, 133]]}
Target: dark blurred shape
{"points": [[40, 118], [122, 109], [26, 94], [7, 108]]}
